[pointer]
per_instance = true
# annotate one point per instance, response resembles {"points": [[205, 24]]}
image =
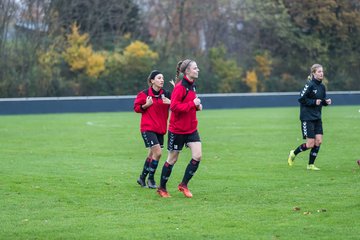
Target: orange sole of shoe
{"points": [[186, 192]]}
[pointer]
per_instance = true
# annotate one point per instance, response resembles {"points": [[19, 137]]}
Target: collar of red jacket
{"points": [[151, 92], [187, 79]]}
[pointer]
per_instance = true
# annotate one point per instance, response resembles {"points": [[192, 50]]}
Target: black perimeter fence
{"points": [[10, 106]]}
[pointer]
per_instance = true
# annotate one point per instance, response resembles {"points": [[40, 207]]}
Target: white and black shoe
{"points": [[141, 182], [151, 183]]}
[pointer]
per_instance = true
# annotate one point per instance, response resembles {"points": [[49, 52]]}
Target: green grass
{"points": [[73, 176]]}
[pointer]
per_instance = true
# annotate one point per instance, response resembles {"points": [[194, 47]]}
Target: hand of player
{"points": [[318, 101], [328, 101], [148, 103], [200, 107], [166, 100], [197, 101], [172, 82]]}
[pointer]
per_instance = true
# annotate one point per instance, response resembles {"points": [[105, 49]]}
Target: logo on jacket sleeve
{"points": [[304, 90]]}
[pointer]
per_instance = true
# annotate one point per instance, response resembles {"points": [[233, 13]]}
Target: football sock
{"points": [[146, 168], [165, 174], [313, 153], [190, 171], [152, 168], [300, 148]]}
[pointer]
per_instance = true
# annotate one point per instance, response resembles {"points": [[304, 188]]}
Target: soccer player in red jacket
{"points": [[153, 104], [183, 126]]}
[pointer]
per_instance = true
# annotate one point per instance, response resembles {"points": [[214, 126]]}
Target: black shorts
{"points": [[152, 138], [311, 128], [177, 141]]}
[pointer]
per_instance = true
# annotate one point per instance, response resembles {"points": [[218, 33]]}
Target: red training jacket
{"points": [[183, 110], [155, 117]]}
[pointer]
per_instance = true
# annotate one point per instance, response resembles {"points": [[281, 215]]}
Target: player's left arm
{"points": [[326, 102]]}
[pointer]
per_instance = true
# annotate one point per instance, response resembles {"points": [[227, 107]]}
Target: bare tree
{"points": [[7, 13], [104, 21], [192, 26], [23, 30]]}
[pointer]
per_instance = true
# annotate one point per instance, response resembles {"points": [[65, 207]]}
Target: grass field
{"points": [[73, 176]]}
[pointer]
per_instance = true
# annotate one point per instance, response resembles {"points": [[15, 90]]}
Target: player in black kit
{"points": [[312, 98]]}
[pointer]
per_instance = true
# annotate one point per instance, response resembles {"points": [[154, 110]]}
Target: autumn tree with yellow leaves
{"points": [[251, 80], [49, 62], [264, 64], [80, 55], [127, 69], [81, 70], [262, 71], [76, 69]]}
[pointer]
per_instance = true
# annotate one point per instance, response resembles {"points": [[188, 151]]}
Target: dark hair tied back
{"points": [[152, 75]]}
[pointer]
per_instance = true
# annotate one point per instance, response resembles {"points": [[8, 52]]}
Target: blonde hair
{"points": [[181, 68], [313, 69]]}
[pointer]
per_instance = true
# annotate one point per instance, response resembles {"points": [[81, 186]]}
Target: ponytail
{"points": [[177, 75], [181, 68]]}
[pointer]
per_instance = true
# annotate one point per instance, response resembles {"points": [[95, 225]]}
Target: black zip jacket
{"points": [[313, 90]]}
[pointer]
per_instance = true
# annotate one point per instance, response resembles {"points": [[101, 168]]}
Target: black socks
{"points": [[190, 171], [145, 169], [152, 168], [313, 153], [300, 148], [165, 174]]}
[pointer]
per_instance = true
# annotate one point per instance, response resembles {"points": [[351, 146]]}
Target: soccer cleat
{"points": [[291, 158], [184, 189], [151, 183], [141, 182], [312, 167], [163, 193]]}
